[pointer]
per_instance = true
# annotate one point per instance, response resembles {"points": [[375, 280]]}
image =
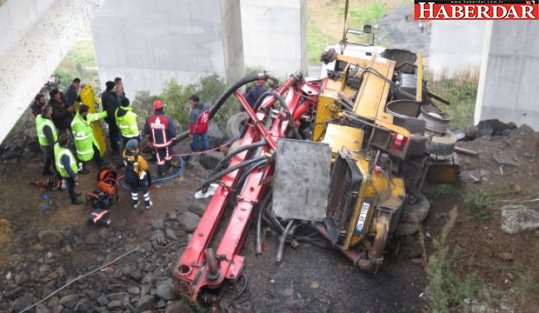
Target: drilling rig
{"points": [[346, 154]]}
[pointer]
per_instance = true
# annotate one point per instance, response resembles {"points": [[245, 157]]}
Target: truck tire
{"points": [[407, 229], [442, 144], [417, 211]]}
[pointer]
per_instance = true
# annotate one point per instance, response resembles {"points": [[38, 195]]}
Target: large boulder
{"points": [[517, 218], [233, 126], [189, 221]]}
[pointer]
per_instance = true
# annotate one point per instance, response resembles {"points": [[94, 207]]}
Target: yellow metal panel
{"points": [[338, 136], [325, 111], [394, 128], [375, 89]]}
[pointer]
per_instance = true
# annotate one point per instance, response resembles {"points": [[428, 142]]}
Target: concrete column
{"points": [[16, 18], [508, 84], [274, 35], [456, 48], [34, 38], [232, 39], [150, 42]]}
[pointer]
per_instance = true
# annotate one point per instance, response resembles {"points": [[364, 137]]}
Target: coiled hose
{"points": [[285, 107]]}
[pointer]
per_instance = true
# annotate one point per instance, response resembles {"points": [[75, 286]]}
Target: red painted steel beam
{"points": [[192, 271]]}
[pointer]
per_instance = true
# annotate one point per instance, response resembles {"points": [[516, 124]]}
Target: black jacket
{"points": [[110, 104]]}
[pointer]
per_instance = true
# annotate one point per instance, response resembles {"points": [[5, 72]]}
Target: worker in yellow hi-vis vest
{"points": [[87, 96]]}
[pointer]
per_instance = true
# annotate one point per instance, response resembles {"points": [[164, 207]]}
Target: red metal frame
{"points": [[192, 272]]}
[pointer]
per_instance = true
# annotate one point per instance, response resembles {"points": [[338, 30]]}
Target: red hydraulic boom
{"points": [[207, 262]]}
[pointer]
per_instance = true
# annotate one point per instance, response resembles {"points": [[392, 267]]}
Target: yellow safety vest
{"points": [[59, 152], [42, 122]]}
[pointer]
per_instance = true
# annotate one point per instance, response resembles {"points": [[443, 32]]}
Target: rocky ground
{"points": [[52, 249], [51, 256]]}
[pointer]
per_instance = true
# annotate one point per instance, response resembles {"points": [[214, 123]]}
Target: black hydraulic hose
{"points": [[243, 177], [282, 241], [230, 91], [275, 222], [263, 204], [283, 105], [235, 152], [222, 173]]}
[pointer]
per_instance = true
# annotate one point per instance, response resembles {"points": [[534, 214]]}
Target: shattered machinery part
{"points": [[442, 144]]}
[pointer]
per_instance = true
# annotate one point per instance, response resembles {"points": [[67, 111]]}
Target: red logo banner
{"points": [[477, 10]]}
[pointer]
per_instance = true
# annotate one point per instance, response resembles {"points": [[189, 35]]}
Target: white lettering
{"points": [[469, 11], [498, 9], [482, 12], [423, 9], [527, 12], [442, 12], [512, 11], [458, 11]]}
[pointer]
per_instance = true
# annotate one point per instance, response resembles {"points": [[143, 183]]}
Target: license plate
{"points": [[362, 217]]}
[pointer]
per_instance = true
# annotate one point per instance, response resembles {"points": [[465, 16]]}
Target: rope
{"points": [[228, 143], [345, 18], [79, 278]]}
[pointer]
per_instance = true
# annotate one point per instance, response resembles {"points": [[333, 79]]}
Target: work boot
{"points": [[135, 204], [160, 170], [148, 204]]}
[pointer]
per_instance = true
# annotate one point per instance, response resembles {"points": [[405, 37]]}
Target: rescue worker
{"points": [[254, 93], [62, 115], [67, 167], [47, 134], [137, 175], [162, 132], [87, 96], [72, 94], [85, 143], [198, 124], [127, 122], [110, 104]]}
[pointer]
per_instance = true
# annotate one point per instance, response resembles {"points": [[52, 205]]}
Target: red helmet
{"points": [[158, 104]]}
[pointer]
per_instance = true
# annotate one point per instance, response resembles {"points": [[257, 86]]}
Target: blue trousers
{"points": [[200, 139]]}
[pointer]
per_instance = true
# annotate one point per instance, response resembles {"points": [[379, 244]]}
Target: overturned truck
{"points": [[346, 154]]}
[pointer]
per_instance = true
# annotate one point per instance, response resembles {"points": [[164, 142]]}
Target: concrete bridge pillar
{"points": [[150, 42], [510, 73], [34, 38], [275, 35]]}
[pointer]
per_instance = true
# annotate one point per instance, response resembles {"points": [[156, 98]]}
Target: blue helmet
{"points": [[132, 145]]}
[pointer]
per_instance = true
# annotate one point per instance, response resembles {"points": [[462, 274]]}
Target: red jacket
{"points": [[201, 125]]}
